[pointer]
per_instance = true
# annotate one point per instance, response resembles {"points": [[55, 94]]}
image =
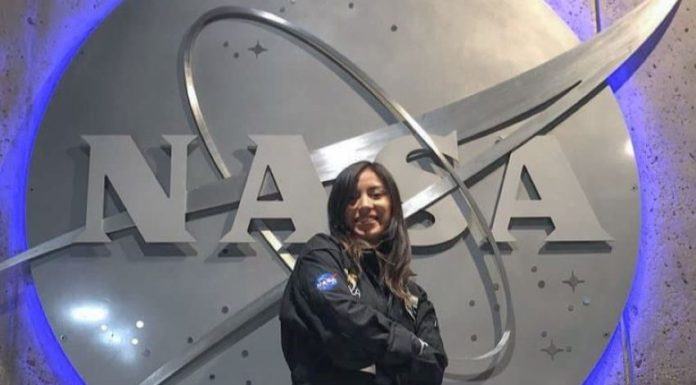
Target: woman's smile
{"points": [[369, 213]]}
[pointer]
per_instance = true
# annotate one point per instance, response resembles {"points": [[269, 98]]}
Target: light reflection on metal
{"points": [[276, 244], [112, 339], [120, 340], [233, 329], [628, 149], [89, 313]]}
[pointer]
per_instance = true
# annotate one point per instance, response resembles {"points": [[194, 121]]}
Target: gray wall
{"points": [[660, 318]]}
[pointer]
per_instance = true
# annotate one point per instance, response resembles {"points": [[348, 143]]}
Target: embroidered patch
{"points": [[326, 281]]}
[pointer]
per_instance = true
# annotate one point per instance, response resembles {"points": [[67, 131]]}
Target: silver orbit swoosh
{"points": [[574, 95], [485, 112], [371, 89], [550, 84]]}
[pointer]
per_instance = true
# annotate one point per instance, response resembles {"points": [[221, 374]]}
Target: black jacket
{"points": [[333, 326]]}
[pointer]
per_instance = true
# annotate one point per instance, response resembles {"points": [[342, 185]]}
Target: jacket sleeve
{"points": [[429, 367], [338, 316]]}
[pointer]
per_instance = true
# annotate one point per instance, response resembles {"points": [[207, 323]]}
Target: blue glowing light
{"points": [[56, 359], [15, 165], [578, 18], [632, 104]]}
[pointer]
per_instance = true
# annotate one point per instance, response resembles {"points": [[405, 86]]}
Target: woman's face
{"points": [[368, 215]]}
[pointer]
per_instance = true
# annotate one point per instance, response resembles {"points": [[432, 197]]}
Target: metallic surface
{"points": [[397, 110], [262, 310], [285, 160], [382, 100], [443, 220], [274, 243], [620, 41], [659, 116], [159, 215], [555, 185], [573, 159], [512, 98]]}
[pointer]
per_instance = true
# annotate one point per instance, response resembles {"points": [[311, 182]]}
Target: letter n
{"points": [[158, 217]]}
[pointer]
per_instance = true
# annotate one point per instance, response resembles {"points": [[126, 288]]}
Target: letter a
{"points": [[286, 159], [448, 220], [556, 194]]}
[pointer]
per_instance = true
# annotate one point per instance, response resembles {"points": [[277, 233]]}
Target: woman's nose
{"points": [[364, 202]]}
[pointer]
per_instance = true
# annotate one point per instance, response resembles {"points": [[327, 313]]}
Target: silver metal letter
{"points": [[447, 219], [303, 197], [541, 168], [158, 218]]}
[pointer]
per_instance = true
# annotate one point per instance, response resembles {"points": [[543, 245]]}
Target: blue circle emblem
{"points": [[326, 281]]}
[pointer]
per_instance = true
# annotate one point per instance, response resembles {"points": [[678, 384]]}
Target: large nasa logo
{"points": [[189, 148]]}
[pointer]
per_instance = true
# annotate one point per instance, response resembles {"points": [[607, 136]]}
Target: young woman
{"points": [[350, 313]]}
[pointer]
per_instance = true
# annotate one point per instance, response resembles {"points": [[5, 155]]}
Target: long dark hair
{"points": [[394, 248]]}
